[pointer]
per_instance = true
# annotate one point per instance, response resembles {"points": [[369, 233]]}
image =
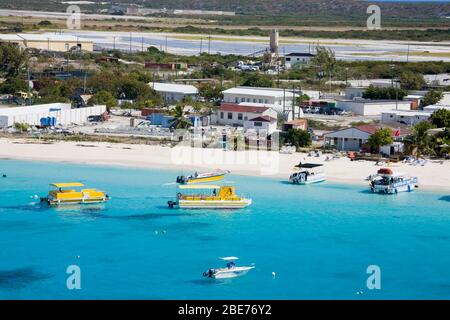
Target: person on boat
{"points": [[214, 192], [231, 265], [195, 174]]}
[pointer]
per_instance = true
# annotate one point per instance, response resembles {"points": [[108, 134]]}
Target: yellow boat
{"points": [[208, 197], [65, 193], [202, 177]]}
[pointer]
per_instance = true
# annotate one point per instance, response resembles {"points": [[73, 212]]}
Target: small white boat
{"points": [[229, 271], [307, 173], [388, 182]]}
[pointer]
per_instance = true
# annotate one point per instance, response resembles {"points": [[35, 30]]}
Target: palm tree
{"points": [[420, 141], [179, 121]]}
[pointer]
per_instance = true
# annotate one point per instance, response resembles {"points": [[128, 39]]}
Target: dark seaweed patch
{"points": [[20, 278]]}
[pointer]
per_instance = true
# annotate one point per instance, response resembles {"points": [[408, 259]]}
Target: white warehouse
{"points": [[32, 115], [409, 118], [173, 92], [372, 107]]}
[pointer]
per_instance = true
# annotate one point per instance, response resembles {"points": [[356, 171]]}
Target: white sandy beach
{"points": [[432, 176]]}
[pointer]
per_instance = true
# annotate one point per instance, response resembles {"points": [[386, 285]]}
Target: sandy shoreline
{"points": [[433, 176]]}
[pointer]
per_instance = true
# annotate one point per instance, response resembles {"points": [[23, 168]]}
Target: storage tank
{"points": [[274, 40]]}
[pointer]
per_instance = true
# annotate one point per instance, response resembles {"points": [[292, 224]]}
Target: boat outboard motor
{"points": [[171, 204], [208, 273]]}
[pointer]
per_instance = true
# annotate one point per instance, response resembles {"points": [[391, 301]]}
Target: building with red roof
{"points": [[235, 114], [354, 138]]}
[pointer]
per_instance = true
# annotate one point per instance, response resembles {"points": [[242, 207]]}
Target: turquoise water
{"points": [[318, 239]]}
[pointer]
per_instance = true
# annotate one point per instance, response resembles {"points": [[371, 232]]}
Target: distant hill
{"points": [[320, 11], [310, 7]]}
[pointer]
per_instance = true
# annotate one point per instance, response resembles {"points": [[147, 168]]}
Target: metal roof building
{"points": [[173, 91]]}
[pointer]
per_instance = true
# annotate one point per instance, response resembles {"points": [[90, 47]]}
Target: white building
{"points": [[353, 139], [275, 98], [236, 114], [265, 124], [442, 79], [48, 41], [372, 107], [63, 113], [436, 107], [296, 59], [173, 92], [409, 118], [280, 100], [356, 88]]}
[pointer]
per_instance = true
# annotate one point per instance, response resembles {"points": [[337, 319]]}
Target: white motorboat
{"points": [[308, 173], [388, 182], [229, 271]]}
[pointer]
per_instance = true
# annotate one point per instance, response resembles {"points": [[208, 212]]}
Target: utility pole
{"points": [[293, 102], [84, 82], [142, 44], [201, 45], [166, 45], [407, 55], [278, 74], [209, 44], [114, 43], [346, 77], [29, 84], [131, 39]]}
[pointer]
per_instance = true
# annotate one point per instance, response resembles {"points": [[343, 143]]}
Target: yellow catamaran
{"points": [[208, 197], [70, 193]]}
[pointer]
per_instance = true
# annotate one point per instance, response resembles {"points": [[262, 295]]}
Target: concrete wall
{"points": [[60, 46], [372, 108], [62, 112]]}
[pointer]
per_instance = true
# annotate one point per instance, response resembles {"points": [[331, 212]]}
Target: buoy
{"points": [[78, 257], [274, 274]]}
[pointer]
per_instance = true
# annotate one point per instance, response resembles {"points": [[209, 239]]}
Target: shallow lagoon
{"points": [[318, 239]]}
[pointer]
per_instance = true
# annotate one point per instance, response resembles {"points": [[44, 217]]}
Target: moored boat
{"points": [[308, 173], [388, 182], [229, 271], [71, 193], [202, 177], [208, 197]]}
